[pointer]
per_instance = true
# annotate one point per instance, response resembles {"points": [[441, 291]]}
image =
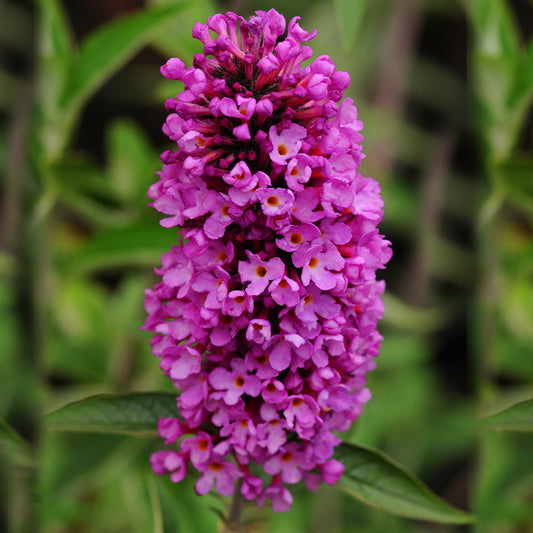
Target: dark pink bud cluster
{"points": [[266, 312]]}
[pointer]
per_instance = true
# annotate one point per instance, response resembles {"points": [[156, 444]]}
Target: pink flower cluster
{"points": [[265, 315]]}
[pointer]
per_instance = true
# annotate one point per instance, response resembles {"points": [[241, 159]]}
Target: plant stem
{"points": [[232, 524]]}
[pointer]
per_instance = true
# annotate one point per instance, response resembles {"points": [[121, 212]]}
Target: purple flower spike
{"points": [[266, 311]]}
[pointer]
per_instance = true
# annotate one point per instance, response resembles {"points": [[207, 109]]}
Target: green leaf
{"points": [[377, 480], [110, 47], [139, 244], [14, 445], [131, 414], [76, 175], [496, 59], [77, 183], [402, 315], [175, 39], [503, 482], [516, 308], [55, 50], [521, 91], [519, 417], [349, 15], [495, 28], [512, 352], [131, 161], [56, 34], [83, 333], [498, 126], [516, 177]]}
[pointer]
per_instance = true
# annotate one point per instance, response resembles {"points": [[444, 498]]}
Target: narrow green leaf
{"points": [[131, 161], [175, 39], [55, 52], [13, 444], [496, 60], [516, 177], [521, 91], [139, 244], [109, 47], [349, 14], [519, 417], [377, 480], [56, 35], [76, 174], [495, 28], [155, 505], [498, 126], [410, 318], [131, 414], [516, 309], [78, 184]]}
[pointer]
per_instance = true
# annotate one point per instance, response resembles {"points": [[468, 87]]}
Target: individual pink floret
{"points": [[258, 331], [289, 463], [302, 414], [199, 448], [272, 435], [285, 291], [318, 266], [294, 236], [275, 202], [234, 383], [281, 497], [287, 143], [169, 462], [221, 474], [260, 273]]}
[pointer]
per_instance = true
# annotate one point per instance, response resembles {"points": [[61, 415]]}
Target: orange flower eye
{"points": [[262, 359], [261, 271], [296, 238]]}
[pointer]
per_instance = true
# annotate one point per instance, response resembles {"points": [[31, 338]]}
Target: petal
{"points": [[204, 484]]}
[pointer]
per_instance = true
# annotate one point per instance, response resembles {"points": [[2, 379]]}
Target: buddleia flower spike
{"points": [[266, 311]]}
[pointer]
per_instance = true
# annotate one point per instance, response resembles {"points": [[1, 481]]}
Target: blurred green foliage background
{"points": [[445, 90]]}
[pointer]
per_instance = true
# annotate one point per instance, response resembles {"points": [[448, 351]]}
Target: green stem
{"points": [[485, 328], [232, 524], [22, 477]]}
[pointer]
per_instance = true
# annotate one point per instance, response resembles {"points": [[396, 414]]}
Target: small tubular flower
{"points": [[265, 316]]}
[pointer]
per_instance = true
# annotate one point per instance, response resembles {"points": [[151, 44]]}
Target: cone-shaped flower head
{"points": [[265, 316]]}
